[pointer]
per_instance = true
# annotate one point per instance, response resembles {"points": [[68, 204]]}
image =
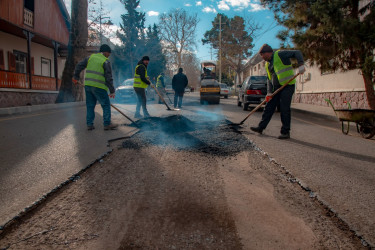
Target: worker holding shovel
{"points": [[98, 80], [141, 82], [280, 72]]}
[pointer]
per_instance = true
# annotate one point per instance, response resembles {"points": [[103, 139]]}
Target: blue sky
{"points": [[206, 10]]}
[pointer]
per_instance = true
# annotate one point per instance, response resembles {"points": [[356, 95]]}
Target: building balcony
{"points": [[20, 81], [28, 17]]}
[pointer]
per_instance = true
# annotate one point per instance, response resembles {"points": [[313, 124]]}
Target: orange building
{"points": [[33, 36]]}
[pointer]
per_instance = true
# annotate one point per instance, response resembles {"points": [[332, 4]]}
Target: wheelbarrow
{"points": [[363, 118]]}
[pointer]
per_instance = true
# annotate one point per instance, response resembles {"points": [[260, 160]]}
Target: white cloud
{"points": [[223, 6], [208, 10], [238, 3], [256, 7], [199, 3], [187, 4], [152, 13]]}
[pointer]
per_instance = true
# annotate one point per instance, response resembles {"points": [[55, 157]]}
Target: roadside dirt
{"points": [[181, 185]]}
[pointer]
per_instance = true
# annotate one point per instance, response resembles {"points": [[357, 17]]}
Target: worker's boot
{"points": [[257, 129], [137, 115], [146, 114], [111, 126], [284, 136], [90, 127]]}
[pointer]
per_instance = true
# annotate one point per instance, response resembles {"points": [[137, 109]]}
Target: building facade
{"points": [[32, 35]]}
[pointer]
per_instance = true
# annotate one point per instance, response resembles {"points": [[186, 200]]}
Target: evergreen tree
{"points": [[334, 34], [153, 49], [132, 36]]}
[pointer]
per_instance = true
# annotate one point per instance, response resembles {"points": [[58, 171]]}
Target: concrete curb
{"points": [[34, 108], [316, 114]]}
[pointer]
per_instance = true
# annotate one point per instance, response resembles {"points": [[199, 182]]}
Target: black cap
{"points": [[145, 58], [265, 48], [105, 48], [180, 70]]}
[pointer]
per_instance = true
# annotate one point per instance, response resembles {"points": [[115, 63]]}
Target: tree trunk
{"points": [[369, 86], [76, 52]]}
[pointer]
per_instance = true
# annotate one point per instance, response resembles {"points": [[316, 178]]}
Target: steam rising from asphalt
{"points": [[203, 133]]}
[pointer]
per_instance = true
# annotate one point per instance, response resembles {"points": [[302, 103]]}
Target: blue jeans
{"points": [[178, 99], [94, 94]]}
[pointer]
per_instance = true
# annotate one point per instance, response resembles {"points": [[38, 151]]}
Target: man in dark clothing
{"points": [[141, 82], [179, 83], [280, 71], [98, 80]]}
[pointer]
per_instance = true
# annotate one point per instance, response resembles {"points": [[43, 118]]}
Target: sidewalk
{"points": [[319, 111]]}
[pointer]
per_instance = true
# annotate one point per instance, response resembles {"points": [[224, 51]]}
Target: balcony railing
{"points": [[43, 83], [28, 17], [19, 81], [13, 80]]}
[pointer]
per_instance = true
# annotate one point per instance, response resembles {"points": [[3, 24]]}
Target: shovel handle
{"points": [[264, 101], [127, 117], [157, 92]]}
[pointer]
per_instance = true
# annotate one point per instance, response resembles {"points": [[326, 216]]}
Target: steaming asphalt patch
{"points": [[198, 133]]}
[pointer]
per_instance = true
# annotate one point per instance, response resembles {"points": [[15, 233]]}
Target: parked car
{"points": [[125, 92], [253, 90], [224, 90], [187, 90]]}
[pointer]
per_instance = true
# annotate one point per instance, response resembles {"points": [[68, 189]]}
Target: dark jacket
{"points": [[285, 56], [179, 82], [107, 73], [141, 71]]}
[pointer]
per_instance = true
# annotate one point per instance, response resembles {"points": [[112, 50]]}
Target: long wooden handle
{"points": [[265, 100], [157, 92], [127, 117]]}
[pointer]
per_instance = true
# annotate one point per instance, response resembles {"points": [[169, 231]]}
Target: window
{"points": [[46, 67], [29, 4], [21, 59]]}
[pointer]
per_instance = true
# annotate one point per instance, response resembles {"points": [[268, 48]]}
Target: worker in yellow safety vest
{"points": [[141, 82], [279, 71], [161, 86], [98, 80]]}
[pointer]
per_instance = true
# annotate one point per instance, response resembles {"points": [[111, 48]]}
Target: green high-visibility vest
{"points": [[138, 83], [284, 72], [95, 72], [158, 82]]}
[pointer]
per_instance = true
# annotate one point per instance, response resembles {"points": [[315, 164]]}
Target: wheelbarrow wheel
{"points": [[345, 127], [367, 130]]}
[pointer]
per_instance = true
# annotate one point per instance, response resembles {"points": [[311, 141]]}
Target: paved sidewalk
{"points": [[323, 112]]}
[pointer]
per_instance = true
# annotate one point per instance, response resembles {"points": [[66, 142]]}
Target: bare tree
{"points": [[99, 22], [76, 51], [177, 30]]}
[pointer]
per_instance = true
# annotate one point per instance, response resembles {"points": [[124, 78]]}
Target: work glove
{"points": [[268, 97], [112, 95], [75, 81], [301, 69]]}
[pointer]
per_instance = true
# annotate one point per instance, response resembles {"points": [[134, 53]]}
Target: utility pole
{"points": [[220, 49]]}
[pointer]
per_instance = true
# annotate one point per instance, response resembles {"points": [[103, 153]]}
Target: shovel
{"points": [[157, 92], [262, 103], [127, 117]]}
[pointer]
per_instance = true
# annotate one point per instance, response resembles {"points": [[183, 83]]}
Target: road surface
{"points": [[209, 187]]}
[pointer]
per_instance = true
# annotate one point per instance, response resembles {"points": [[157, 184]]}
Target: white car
{"points": [[187, 90], [224, 90]]}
